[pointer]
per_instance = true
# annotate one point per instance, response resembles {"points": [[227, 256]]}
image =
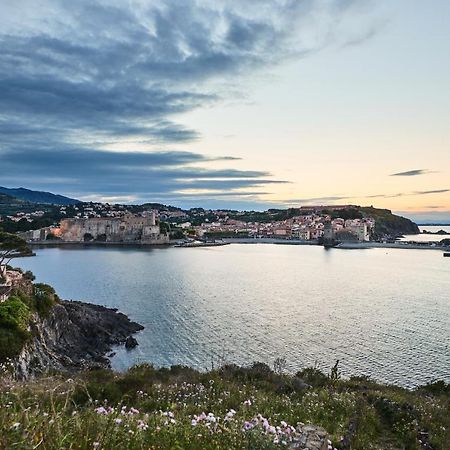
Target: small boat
{"points": [[446, 254]]}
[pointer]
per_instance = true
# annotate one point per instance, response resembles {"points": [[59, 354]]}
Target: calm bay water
{"points": [[428, 237], [382, 312]]}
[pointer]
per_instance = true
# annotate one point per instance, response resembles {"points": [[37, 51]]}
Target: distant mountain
{"points": [[38, 196]]}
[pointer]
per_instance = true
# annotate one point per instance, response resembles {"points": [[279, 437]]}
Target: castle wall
{"points": [[127, 229]]}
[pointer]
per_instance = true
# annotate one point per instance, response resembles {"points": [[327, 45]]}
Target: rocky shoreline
{"points": [[73, 336]]}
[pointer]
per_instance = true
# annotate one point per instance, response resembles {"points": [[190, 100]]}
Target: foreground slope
{"points": [[230, 408]]}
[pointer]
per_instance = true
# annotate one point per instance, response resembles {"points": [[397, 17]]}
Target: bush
{"points": [[14, 319], [11, 342], [45, 297], [14, 314], [29, 275], [313, 376]]}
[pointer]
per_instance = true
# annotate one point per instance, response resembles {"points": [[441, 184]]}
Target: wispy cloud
{"points": [[412, 173], [436, 191], [131, 174]]}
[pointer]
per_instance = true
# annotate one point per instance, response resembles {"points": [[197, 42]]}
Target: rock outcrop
{"points": [[311, 438], [73, 336]]}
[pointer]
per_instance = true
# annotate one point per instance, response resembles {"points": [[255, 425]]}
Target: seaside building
{"points": [[127, 229]]}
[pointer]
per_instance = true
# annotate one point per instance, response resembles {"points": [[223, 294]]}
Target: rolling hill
{"points": [[38, 196]]}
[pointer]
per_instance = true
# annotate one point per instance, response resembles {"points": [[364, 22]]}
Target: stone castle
{"points": [[127, 229]]}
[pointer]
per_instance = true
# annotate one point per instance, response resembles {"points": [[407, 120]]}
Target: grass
{"points": [[230, 408]]}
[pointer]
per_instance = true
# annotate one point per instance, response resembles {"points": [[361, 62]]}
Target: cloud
{"points": [[132, 174], [75, 81], [412, 173], [408, 194], [316, 200], [436, 191]]}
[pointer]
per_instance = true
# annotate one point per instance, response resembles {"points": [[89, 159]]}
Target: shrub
{"points": [[313, 376], [14, 319], [14, 314], [45, 297], [29, 275]]}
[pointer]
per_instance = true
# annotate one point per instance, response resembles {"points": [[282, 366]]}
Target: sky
{"points": [[229, 104]]}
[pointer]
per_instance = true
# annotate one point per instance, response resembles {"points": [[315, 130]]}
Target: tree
{"points": [[10, 246]]}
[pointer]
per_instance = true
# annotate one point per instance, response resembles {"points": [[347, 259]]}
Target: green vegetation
{"points": [[14, 319], [16, 313], [163, 409]]}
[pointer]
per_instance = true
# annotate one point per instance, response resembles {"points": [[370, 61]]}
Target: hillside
{"points": [[13, 205], [389, 224], [38, 196], [233, 407]]}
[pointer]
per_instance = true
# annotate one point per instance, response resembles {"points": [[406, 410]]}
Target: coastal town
{"points": [[121, 223], [345, 225]]}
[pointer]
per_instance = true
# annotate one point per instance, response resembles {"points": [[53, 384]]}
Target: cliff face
{"points": [[72, 336]]}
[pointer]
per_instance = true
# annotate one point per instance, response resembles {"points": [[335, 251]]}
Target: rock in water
{"points": [[131, 342]]}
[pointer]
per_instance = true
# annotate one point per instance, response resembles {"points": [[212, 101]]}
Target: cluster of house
{"points": [[29, 216], [304, 227], [93, 210]]}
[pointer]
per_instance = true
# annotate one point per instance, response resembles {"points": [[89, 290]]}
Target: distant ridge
{"points": [[38, 196]]}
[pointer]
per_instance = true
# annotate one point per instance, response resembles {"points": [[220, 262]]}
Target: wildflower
{"points": [[248, 403], [193, 422], [96, 444], [118, 421], [141, 425], [101, 410], [133, 411], [247, 426], [15, 426]]}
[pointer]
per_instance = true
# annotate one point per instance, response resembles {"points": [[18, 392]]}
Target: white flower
{"points": [[15, 426]]}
